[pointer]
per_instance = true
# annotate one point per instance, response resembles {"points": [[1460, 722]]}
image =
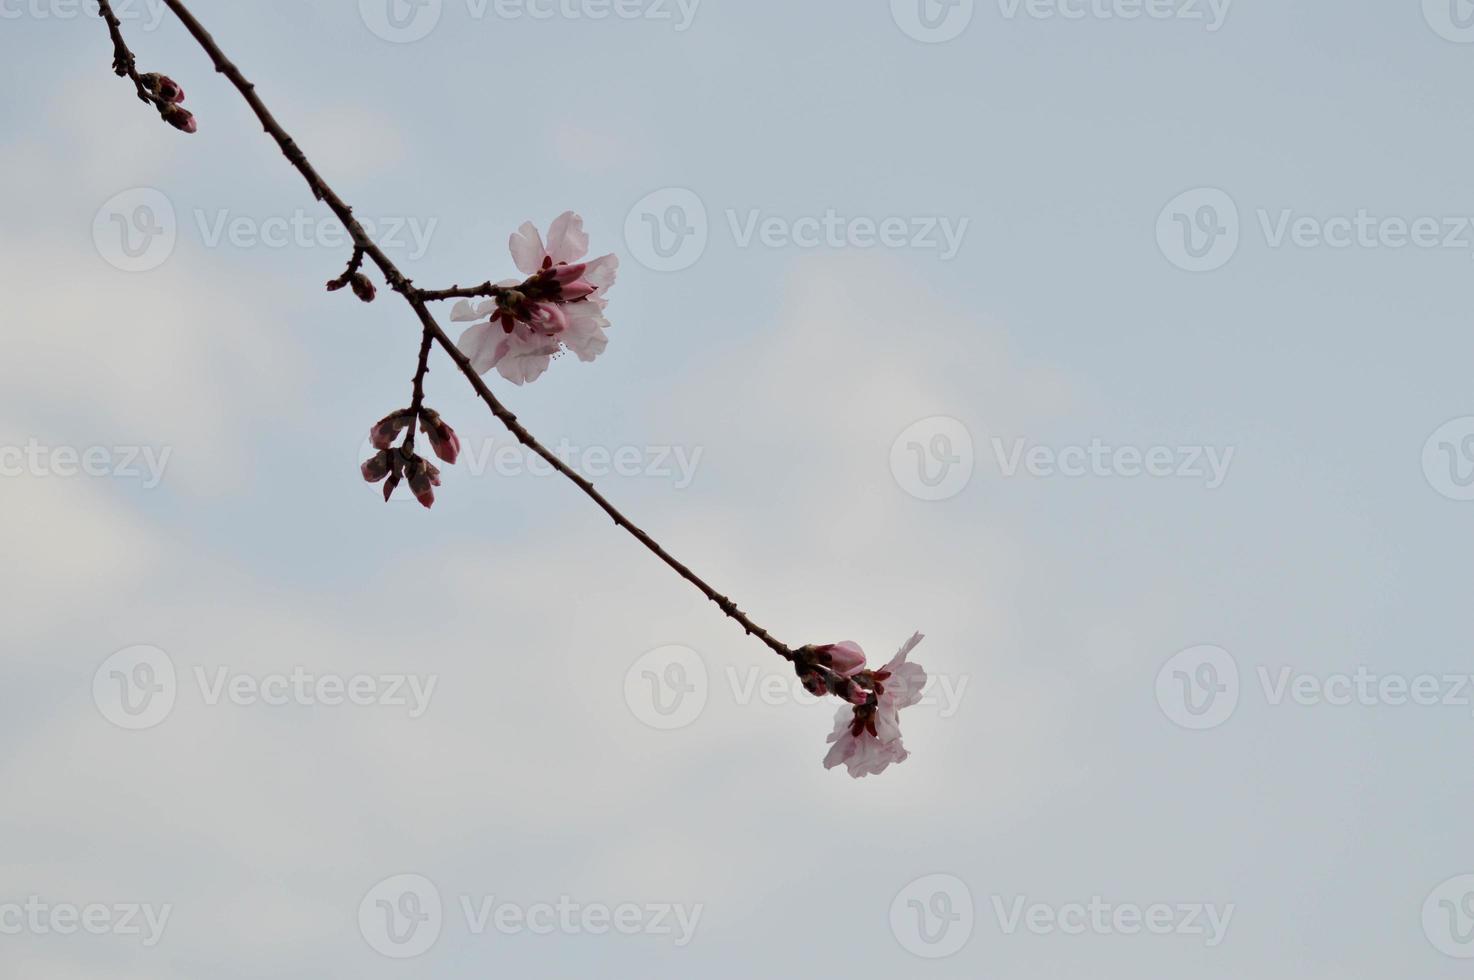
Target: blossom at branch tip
{"points": [[867, 737], [559, 306]]}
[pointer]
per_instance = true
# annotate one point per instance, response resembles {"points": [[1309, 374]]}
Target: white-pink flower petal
{"points": [[567, 241], [527, 248]]}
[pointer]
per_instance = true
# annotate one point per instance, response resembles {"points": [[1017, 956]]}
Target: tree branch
{"points": [[806, 659]]}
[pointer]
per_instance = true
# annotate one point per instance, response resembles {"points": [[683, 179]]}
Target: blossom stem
{"points": [[417, 398], [417, 299]]}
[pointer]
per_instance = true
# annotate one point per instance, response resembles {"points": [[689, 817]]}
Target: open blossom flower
{"points": [[867, 738], [560, 305]]}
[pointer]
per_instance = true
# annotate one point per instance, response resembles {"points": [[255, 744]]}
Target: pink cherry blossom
{"points": [[560, 306], [867, 738]]}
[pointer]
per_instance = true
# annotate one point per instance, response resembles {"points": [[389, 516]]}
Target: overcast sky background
{"points": [[810, 384]]}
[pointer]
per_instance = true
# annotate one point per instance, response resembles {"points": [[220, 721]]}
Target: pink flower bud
{"points": [[423, 479], [162, 86], [363, 287], [388, 428], [813, 682], [565, 275], [846, 658], [855, 694], [443, 438], [377, 467], [548, 319], [179, 117]]}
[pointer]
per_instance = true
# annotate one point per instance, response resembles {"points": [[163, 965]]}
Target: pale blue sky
{"points": [[1060, 152]]}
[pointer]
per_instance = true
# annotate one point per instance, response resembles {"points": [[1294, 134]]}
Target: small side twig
{"points": [[159, 91], [362, 287]]}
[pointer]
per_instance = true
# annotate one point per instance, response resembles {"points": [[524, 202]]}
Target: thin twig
{"points": [[124, 63], [354, 264]]}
